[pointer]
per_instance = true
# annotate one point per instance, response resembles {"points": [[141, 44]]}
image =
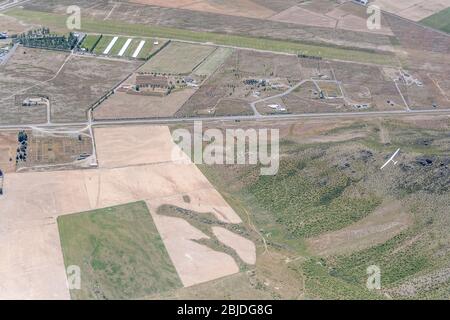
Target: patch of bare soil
{"points": [[126, 106], [244, 248], [8, 146], [243, 8], [387, 221]]}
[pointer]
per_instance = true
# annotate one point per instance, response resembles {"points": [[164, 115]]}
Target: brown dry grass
{"points": [[8, 145], [13, 25], [387, 221], [243, 8], [122, 105], [415, 10]]}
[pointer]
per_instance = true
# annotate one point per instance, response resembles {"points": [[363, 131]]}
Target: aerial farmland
{"points": [[120, 46], [133, 149]]}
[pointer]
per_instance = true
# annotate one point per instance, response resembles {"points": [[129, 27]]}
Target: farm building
{"points": [[28, 102], [364, 2]]}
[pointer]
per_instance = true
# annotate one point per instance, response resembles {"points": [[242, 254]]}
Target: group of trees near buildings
{"points": [[43, 38]]}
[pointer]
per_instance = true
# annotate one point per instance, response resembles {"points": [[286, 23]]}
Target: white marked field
{"points": [[125, 47], [138, 49], [111, 45]]}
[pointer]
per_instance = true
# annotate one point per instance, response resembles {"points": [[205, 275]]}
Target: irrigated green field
{"points": [[117, 46], [440, 20], [147, 49], [119, 251], [129, 52], [90, 41], [103, 44], [57, 21]]}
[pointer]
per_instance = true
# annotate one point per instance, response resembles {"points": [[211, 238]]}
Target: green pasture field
{"points": [[439, 20], [119, 251]]}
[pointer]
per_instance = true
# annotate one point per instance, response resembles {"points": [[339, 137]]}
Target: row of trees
{"points": [[43, 38], [22, 138]]}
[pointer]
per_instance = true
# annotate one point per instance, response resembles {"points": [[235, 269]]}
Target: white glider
{"points": [[391, 159]]}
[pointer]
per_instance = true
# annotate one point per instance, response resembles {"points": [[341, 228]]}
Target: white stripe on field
{"points": [[138, 49], [110, 45], [125, 47]]}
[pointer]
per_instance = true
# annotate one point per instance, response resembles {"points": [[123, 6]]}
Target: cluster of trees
{"points": [[43, 38], [22, 148], [305, 56]]}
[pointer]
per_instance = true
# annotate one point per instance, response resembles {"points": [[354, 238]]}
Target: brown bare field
{"points": [[135, 164], [123, 146], [229, 107], [244, 8], [81, 83], [353, 22], [415, 10], [303, 16], [194, 262], [415, 38], [243, 247], [13, 25], [387, 221], [354, 17], [344, 17], [8, 146], [22, 74], [122, 105], [427, 122]]}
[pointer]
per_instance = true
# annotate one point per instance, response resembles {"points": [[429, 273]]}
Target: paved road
{"points": [[280, 117], [5, 58]]}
